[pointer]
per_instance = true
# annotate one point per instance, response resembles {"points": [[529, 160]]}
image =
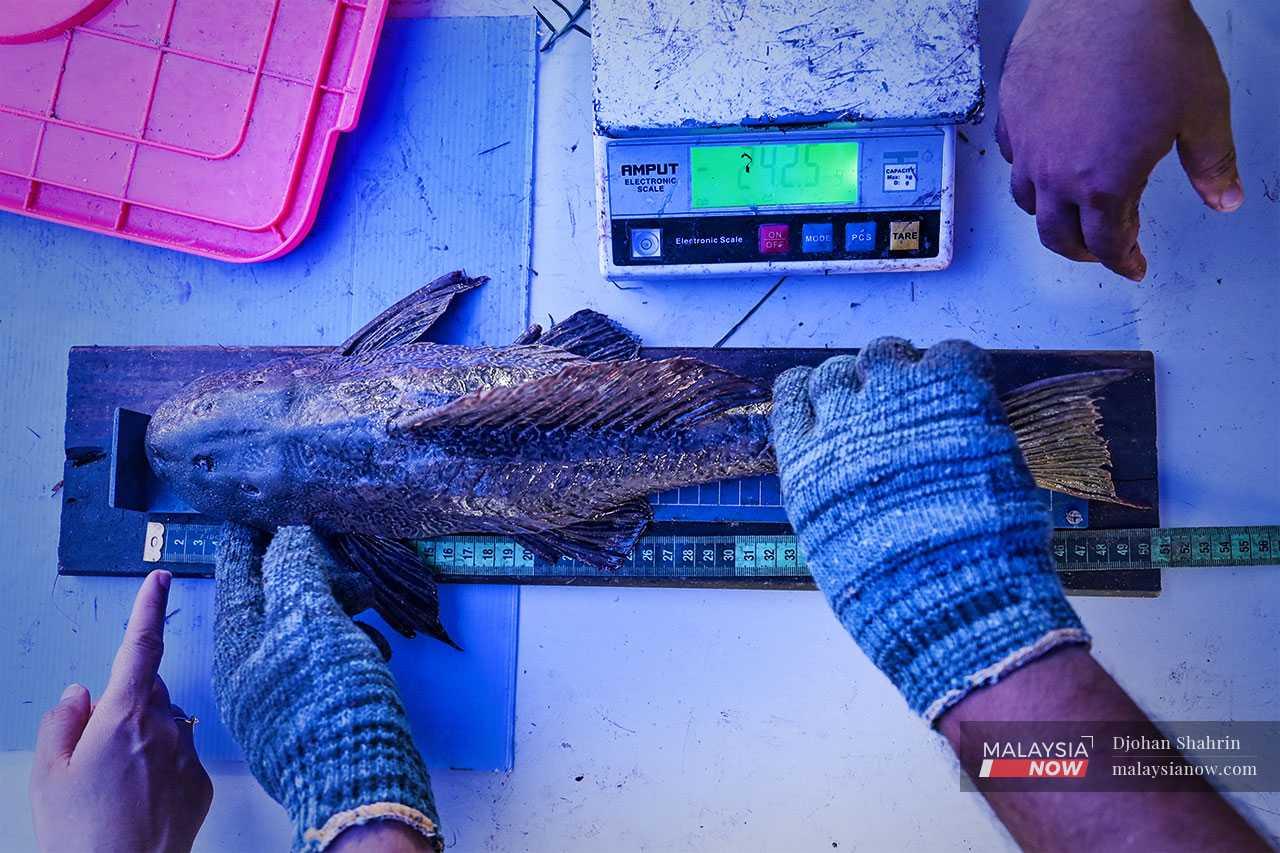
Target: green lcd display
{"points": [[765, 175]]}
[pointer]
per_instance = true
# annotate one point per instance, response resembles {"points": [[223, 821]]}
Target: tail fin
{"points": [[1059, 429]]}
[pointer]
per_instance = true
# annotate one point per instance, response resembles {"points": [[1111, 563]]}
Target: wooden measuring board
{"points": [[99, 540]]}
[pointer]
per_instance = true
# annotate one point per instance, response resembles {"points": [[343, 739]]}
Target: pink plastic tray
{"points": [[206, 126]]}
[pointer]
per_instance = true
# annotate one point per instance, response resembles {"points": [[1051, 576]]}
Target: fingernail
{"points": [[1138, 271], [72, 689], [164, 578], [1232, 197]]}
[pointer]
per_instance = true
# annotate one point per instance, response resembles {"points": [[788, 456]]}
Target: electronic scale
{"points": [[772, 137]]}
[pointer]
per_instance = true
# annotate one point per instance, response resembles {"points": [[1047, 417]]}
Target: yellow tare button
{"points": [[904, 236]]}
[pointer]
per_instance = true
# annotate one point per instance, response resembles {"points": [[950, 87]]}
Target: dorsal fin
{"points": [[408, 321], [528, 336], [592, 335], [617, 396]]}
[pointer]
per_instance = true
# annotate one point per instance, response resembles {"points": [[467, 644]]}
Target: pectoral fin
{"points": [[409, 320], [404, 590]]}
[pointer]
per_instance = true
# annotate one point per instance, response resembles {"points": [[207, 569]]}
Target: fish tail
{"points": [[1059, 428]]}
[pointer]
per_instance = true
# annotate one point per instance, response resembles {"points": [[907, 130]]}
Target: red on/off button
{"points": [[775, 239]]}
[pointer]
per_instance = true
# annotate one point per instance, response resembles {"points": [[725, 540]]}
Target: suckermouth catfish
{"points": [[555, 440]]}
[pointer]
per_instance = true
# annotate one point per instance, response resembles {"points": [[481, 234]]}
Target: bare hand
{"points": [[121, 775], [1094, 94]]}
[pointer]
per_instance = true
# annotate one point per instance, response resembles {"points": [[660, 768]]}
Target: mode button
{"points": [[816, 237]]}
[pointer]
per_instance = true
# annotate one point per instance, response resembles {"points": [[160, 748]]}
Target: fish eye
{"points": [[202, 407], [249, 489], [204, 463]]}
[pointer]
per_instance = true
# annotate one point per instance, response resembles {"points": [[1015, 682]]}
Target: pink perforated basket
{"points": [[206, 126]]}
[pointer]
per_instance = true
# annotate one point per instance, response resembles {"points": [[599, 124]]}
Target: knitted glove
{"points": [[918, 517], [307, 696]]}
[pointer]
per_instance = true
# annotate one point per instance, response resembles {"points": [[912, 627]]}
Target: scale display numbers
{"points": [[738, 176]]}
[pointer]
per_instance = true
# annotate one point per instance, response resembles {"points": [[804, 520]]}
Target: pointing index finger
{"points": [[133, 673], [1111, 233]]}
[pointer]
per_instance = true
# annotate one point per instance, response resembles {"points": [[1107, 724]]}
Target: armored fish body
{"points": [[555, 440], [331, 441]]}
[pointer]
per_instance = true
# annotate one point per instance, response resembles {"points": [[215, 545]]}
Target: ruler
{"points": [[759, 559]]}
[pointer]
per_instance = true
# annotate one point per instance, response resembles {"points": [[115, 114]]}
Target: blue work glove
{"points": [[307, 695], [918, 517]]}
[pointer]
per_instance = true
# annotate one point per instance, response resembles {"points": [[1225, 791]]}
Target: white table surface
{"points": [[680, 720]]}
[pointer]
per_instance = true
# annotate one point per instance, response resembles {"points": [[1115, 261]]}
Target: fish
{"points": [[556, 440]]}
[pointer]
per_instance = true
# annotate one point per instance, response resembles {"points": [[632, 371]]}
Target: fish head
{"points": [[222, 443]]}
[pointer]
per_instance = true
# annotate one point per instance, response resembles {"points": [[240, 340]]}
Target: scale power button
{"points": [[646, 242], [774, 239]]}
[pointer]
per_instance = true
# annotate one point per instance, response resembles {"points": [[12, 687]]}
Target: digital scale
{"points": [[805, 137]]}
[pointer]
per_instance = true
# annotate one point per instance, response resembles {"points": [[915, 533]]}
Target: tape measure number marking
{"points": [[708, 557]]}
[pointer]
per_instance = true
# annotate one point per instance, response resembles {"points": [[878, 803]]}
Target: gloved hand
{"points": [[307, 695], [918, 517]]}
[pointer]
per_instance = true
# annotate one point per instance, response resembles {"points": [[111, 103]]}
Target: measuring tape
{"points": [[757, 557]]}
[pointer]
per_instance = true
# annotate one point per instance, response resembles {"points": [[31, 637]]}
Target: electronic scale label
{"points": [[851, 200]]}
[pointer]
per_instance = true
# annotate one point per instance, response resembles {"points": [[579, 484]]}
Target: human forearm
{"points": [[920, 522], [1069, 685]]}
